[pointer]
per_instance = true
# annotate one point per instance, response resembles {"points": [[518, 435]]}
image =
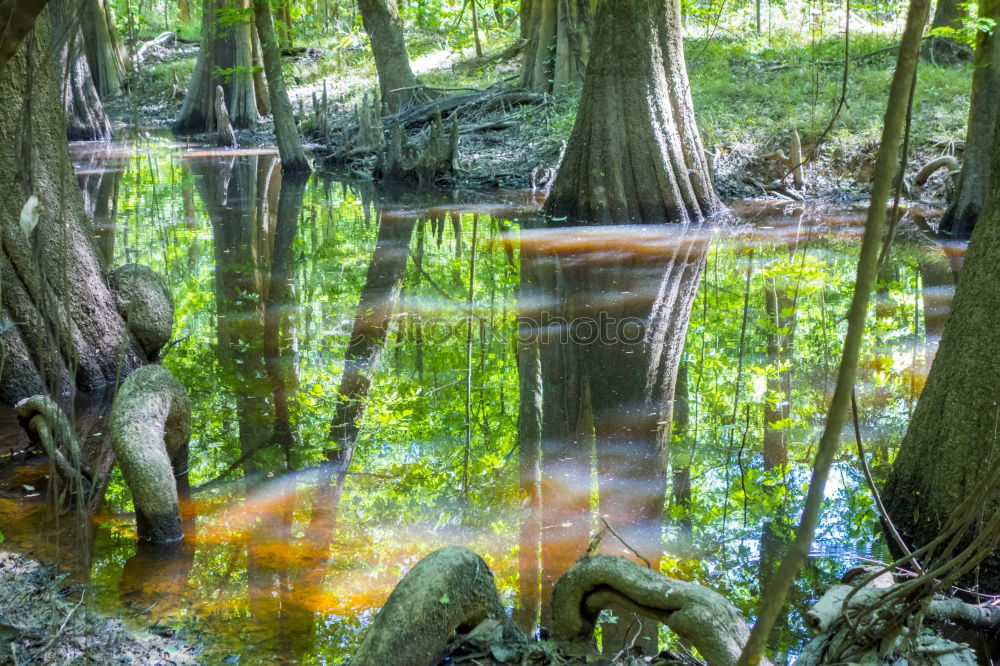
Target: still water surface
{"points": [[376, 374]]}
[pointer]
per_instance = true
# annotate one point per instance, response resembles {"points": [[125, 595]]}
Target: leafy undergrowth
{"points": [[748, 94]]}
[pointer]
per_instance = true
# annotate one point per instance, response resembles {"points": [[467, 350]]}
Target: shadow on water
{"points": [[377, 374]]}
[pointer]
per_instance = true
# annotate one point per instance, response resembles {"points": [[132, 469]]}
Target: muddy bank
{"points": [[44, 619]]}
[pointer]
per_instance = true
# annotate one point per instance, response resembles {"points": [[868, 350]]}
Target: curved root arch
{"points": [[450, 589], [150, 429], [48, 425], [697, 614]]}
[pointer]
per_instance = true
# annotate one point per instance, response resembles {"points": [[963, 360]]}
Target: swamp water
{"points": [[377, 374]]}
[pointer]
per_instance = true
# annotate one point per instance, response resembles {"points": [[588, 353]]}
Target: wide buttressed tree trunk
{"points": [[104, 51], [951, 441], [293, 157], [224, 59], [980, 142], [635, 155], [385, 30], [59, 325], [558, 34], [86, 119]]}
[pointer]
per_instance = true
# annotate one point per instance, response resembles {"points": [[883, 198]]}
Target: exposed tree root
{"points": [[224, 135], [926, 171], [418, 144], [150, 428], [47, 424], [144, 300], [697, 614], [450, 589]]}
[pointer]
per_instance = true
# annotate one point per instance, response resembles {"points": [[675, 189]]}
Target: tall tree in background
{"points": [[104, 50], [558, 34], [385, 30], [224, 59], [293, 157], [86, 119], [955, 422], [980, 143], [635, 155]]}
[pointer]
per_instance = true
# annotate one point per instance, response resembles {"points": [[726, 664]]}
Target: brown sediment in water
{"points": [[45, 620]]}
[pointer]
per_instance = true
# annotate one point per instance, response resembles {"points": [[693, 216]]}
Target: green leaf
{"points": [[445, 599]]}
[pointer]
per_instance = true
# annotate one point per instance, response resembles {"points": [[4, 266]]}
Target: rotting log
{"points": [[150, 429], [450, 589], [701, 616]]}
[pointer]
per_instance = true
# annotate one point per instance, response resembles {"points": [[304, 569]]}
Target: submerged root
{"points": [[450, 589], [150, 428]]}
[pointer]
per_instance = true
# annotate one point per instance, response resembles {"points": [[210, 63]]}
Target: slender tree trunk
{"points": [[951, 441], [777, 403], [529, 444], [385, 30], [224, 59], [285, 23], [104, 51], [558, 34], [184, 11], [260, 89], [635, 155], [85, 116], [293, 157], [980, 143], [60, 326]]}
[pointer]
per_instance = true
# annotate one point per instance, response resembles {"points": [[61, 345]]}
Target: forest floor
{"points": [[748, 98], [43, 620]]}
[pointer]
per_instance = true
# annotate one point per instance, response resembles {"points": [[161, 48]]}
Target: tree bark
{"points": [[635, 155], [980, 143], [558, 34], [60, 327], [18, 18], [104, 51], [293, 157], [951, 440], [224, 59], [85, 116], [385, 30]]}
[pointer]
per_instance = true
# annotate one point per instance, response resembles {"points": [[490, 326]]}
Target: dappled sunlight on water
{"points": [[468, 374]]}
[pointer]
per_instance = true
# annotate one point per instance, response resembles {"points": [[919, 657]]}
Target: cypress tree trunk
{"points": [[980, 140], [104, 50], [558, 34], [635, 155], [385, 30], [224, 59], [59, 325], [293, 158], [85, 116], [952, 438]]}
